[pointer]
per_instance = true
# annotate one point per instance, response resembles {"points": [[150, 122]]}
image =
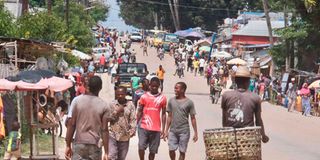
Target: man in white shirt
{"points": [[201, 66]]}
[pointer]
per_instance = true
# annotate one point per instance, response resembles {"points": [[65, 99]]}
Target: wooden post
{"points": [[16, 54]]}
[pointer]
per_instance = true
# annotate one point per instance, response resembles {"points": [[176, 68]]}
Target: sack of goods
{"points": [[233, 143]]}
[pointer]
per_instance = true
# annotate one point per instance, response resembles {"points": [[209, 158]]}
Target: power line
{"points": [[186, 6]]}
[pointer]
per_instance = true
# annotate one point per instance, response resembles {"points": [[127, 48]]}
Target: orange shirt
{"points": [[160, 74]]}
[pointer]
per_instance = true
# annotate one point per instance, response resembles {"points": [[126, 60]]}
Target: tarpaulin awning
{"points": [[35, 80], [54, 83]]}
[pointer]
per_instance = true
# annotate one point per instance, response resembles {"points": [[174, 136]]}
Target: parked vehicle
{"points": [[136, 37], [124, 73], [158, 39], [168, 39]]}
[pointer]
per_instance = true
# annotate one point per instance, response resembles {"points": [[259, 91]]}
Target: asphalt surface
{"points": [[292, 136]]}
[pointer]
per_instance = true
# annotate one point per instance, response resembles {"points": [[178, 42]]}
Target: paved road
{"points": [[292, 136]]}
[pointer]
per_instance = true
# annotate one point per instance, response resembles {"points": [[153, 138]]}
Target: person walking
{"points": [[179, 109], [292, 95], [189, 64], [201, 65], [305, 94], [13, 148], [242, 108], [151, 130], [145, 49], [122, 125], [90, 113], [134, 82], [195, 66], [160, 73], [102, 63], [208, 73]]}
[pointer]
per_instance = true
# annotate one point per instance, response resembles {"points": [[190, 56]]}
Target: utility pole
{"points": [[173, 15], [156, 21], [287, 44], [176, 9], [266, 11]]}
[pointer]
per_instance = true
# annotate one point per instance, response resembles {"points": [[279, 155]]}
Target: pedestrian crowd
{"points": [[112, 124]]}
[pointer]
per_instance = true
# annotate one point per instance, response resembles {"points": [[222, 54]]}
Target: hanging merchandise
{"points": [[2, 130]]}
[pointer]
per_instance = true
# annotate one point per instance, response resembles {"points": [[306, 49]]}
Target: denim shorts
{"points": [[149, 139], [178, 140]]}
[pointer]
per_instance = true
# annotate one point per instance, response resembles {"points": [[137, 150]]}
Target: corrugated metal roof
{"points": [[258, 28], [7, 70]]}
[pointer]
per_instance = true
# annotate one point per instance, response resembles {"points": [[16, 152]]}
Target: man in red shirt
{"points": [[151, 129], [102, 63]]}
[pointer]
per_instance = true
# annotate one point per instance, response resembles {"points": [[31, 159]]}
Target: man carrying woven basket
{"points": [[241, 108]]}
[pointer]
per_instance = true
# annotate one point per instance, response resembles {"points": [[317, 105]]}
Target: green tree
{"points": [[79, 26], [99, 12], [41, 26], [302, 35], [7, 26]]}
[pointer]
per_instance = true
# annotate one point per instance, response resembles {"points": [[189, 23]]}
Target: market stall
{"points": [[33, 83]]}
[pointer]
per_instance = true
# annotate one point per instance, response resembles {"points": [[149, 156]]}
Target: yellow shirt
{"points": [[160, 74], [196, 64]]}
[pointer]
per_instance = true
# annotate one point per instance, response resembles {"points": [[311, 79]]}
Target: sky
{"points": [[113, 19]]}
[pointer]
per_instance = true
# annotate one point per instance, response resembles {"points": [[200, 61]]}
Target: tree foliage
{"points": [[192, 13], [7, 26], [41, 26], [302, 36]]}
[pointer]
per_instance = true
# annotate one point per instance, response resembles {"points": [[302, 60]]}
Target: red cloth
{"points": [[81, 90], [119, 60], [152, 105], [102, 60]]}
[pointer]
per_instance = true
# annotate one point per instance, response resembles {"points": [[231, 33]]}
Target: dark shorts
{"points": [[149, 139], [178, 140], [86, 151]]}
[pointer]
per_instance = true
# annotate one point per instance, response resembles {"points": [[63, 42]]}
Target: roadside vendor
{"points": [[242, 108]]}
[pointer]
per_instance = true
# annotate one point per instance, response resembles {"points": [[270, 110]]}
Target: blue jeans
{"points": [[306, 105]]}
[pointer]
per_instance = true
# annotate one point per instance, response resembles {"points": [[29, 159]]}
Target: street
{"points": [[292, 136]]}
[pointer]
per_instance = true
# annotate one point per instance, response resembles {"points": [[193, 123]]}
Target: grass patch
{"points": [[45, 145]]}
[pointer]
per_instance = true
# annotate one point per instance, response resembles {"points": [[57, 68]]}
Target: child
{"points": [[13, 150]]}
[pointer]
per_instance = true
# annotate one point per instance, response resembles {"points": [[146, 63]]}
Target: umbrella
{"points": [[315, 84], [221, 54], [205, 48], [237, 61]]}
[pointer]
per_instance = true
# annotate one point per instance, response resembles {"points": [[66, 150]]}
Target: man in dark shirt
{"points": [[240, 107]]}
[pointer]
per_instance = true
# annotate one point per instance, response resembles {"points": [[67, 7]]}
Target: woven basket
{"points": [[233, 144]]}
